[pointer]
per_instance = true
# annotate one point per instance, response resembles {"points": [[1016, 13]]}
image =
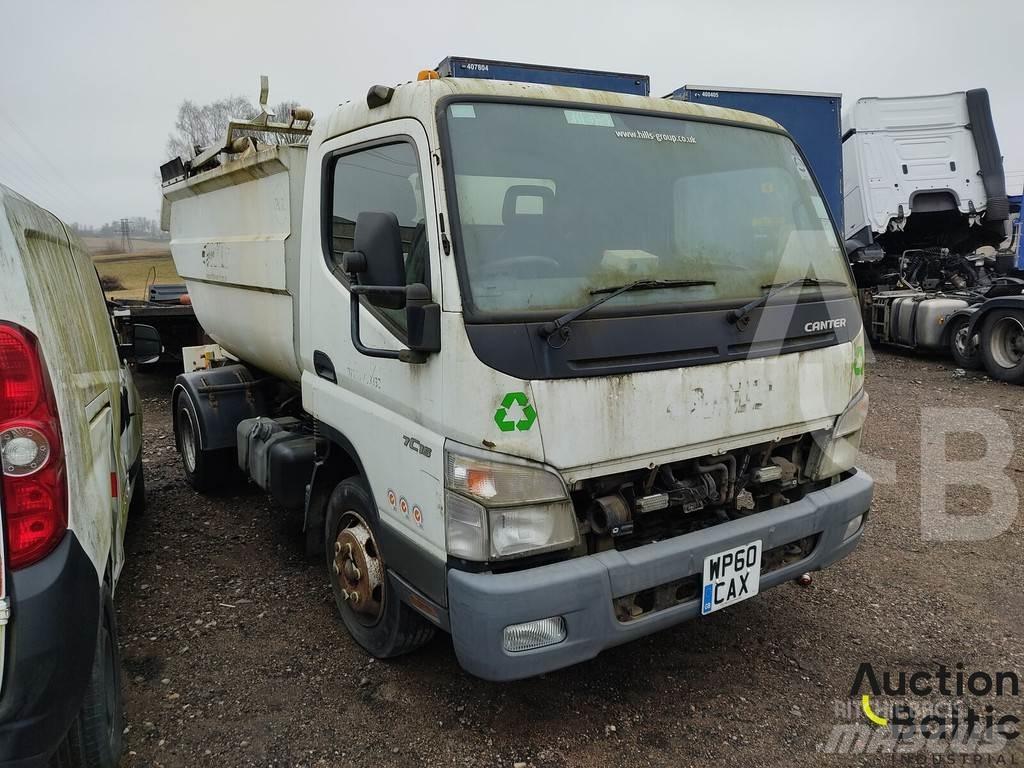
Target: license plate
{"points": [[731, 577]]}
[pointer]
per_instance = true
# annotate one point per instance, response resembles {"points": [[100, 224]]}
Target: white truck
{"points": [[546, 368], [924, 187]]}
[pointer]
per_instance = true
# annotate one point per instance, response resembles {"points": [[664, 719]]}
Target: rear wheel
{"points": [[375, 617], [964, 350], [95, 737], [205, 470], [1002, 345]]}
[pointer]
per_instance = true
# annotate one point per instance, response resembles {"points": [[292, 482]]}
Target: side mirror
{"points": [[377, 260], [422, 321], [376, 269], [146, 344]]}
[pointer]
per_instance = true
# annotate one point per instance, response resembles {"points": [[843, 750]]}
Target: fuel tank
{"points": [[915, 319]]}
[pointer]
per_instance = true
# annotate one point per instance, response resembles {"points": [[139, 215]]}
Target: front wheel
{"points": [[375, 617], [964, 350], [1002, 345]]}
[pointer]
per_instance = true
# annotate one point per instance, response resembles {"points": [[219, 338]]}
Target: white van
{"points": [[70, 444]]}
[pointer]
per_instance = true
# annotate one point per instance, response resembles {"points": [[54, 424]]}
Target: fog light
{"points": [[853, 526], [534, 634]]}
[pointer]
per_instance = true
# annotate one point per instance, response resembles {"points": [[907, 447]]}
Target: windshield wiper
{"points": [[741, 315], [559, 324]]}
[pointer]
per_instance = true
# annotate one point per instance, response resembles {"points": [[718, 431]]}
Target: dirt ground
{"points": [[233, 655]]}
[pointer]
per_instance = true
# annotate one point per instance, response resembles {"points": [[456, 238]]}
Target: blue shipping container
{"points": [[458, 66], [812, 119]]}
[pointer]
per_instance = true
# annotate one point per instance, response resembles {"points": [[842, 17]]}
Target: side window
{"points": [[382, 178]]}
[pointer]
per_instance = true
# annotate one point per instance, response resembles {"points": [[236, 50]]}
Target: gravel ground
{"points": [[233, 654]]}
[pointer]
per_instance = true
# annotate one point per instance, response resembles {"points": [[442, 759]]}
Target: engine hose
{"points": [[727, 466], [707, 469]]}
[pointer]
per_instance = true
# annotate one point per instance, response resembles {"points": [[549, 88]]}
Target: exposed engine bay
{"points": [[633, 509]]}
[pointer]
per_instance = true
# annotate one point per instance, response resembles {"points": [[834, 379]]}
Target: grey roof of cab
{"points": [[417, 99]]}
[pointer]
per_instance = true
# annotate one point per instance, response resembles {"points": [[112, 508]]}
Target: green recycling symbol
{"points": [[858, 361], [501, 418]]}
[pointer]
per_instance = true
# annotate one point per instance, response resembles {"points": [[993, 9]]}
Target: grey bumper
{"points": [[582, 590]]}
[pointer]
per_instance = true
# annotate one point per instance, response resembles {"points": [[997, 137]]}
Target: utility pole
{"points": [[126, 236]]}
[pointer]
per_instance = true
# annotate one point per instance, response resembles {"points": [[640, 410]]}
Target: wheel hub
{"points": [[359, 568]]}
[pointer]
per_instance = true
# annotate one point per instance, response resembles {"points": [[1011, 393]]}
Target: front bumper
{"points": [[582, 589], [51, 641]]}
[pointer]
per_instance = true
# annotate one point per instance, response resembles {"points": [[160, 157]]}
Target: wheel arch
{"points": [[220, 397], [1003, 302], [342, 461]]}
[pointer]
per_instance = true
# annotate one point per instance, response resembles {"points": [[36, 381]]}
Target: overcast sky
{"points": [[89, 89]]}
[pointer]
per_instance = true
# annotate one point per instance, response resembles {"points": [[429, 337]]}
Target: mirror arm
{"points": [[354, 292], [414, 356]]}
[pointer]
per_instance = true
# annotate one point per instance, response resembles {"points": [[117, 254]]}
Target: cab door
{"points": [[387, 409]]}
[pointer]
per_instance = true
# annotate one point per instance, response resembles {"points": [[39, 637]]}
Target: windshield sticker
{"points": [[801, 168], [463, 110], [586, 117], [671, 138]]}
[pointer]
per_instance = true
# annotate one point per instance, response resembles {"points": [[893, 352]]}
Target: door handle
{"points": [[323, 366]]}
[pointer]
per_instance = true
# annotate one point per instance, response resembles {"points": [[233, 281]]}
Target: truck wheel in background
{"points": [[1002, 345], [95, 737], [204, 470], [964, 350], [381, 623]]}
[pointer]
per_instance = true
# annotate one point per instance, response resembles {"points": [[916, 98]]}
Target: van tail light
{"points": [[33, 484]]}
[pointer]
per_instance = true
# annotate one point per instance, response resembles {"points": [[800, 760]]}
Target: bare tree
{"points": [[203, 125]]}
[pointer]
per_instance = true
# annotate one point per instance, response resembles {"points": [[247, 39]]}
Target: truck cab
{"points": [[544, 367]]}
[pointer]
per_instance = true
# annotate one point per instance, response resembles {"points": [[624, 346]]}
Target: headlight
{"points": [[494, 483], [498, 509], [837, 451]]}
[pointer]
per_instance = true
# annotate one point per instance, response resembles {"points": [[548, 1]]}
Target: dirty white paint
{"points": [[48, 285], [583, 426], [235, 235]]}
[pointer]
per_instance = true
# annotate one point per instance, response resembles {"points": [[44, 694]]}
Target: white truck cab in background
{"points": [[70, 472], [921, 173], [547, 368]]}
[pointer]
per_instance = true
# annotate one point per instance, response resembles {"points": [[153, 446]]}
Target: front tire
{"points": [[204, 470], [1002, 345], [95, 737], [963, 349], [375, 617]]}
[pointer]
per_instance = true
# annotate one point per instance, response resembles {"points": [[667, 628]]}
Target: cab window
{"points": [[384, 177]]}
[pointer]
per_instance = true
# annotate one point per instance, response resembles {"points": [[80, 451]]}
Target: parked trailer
{"points": [[158, 327], [474, 349], [812, 119], [486, 69]]}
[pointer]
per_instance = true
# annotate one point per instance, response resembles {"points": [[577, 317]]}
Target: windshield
{"points": [[554, 203]]}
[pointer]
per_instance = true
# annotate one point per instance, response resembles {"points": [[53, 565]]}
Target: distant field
{"points": [[135, 270], [112, 245]]}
